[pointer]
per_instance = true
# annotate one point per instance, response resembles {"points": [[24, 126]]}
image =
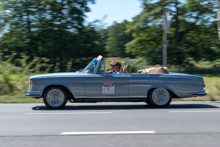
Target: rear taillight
{"points": [[204, 86]]}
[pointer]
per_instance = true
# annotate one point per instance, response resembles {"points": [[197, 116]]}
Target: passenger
{"points": [[116, 68]]}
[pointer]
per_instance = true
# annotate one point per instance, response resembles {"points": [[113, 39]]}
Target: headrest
{"points": [[127, 69]]}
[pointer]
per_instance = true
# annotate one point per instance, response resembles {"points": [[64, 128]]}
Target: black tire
{"points": [[148, 102], [55, 97], [160, 97]]}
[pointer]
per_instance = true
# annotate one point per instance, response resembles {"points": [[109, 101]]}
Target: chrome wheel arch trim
{"points": [[154, 87], [56, 84]]}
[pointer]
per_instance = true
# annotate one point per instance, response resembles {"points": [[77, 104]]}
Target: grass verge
{"points": [[20, 82]]}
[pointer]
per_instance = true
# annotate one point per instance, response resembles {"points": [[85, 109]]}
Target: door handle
{"points": [[124, 80]]}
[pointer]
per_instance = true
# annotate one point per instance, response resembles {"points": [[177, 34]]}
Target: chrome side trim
{"points": [[104, 96], [33, 93]]}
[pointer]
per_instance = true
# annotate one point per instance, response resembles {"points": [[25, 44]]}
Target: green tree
{"points": [[48, 29], [117, 38], [188, 37]]}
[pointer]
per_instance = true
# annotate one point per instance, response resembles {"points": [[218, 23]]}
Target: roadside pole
{"points": [[218, 17], [166, 27]]}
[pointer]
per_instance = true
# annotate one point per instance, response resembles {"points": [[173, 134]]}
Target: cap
{"points": [[113, 63], [116, 63]]}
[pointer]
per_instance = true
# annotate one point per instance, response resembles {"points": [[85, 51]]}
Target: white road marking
{"points": [[107, 132], [67, 113], [194, 111]]}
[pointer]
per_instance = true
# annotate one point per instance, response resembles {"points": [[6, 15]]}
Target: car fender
{"points": [[152, 87], [56, 84]]}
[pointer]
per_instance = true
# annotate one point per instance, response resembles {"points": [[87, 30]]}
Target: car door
{"points": [[138, 83], [110, 85], [106, 85]]}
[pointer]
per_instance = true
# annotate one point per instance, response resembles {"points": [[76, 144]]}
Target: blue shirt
{"points": [[117, 72]]}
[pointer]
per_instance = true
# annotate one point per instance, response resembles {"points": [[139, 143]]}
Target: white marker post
{"points": [[166, 27]]}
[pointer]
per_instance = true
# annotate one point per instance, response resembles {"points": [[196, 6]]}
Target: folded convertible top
{"points": [[154, 71]]}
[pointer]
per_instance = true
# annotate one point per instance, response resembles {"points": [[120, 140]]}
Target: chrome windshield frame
{"points": [[96, 68], [98, 64]]}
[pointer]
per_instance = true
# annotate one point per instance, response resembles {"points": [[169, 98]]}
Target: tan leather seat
{"points": [[157, 71], [127, 69]]}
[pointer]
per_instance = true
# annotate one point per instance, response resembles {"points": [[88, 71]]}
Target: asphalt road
{"points": [[110, 125]]}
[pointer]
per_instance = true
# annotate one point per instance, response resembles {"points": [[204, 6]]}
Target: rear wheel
{"points": [[55, 97], [160, 97]]}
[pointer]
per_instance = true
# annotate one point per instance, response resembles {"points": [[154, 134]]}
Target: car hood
{"points": [[61, 74]]}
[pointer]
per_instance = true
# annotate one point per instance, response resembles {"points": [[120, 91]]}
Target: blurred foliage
{"points": [[116, 39], [51, 35], [51, 31], [193, 33], [6, 84], [44, 36]]}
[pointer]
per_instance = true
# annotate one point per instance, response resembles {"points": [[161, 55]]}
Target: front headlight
{"points": [[30, 85]]}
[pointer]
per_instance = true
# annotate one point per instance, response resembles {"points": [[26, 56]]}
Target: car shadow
{"points": [[125, 107]]}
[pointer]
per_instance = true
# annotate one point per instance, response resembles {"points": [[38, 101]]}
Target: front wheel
{"points": [[160, 97], [148, 102], [55, 97]]}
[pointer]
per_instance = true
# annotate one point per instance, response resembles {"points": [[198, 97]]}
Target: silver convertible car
{"points": [[155, 86]]}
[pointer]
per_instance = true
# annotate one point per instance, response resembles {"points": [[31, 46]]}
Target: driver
{"points": [[116, 68]]}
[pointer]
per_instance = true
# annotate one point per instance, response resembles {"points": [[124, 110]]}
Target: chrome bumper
{"points": [[201, 93], [33, 93]]}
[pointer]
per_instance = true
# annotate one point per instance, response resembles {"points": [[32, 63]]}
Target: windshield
{"points": [[135, 67], [90, 68]]}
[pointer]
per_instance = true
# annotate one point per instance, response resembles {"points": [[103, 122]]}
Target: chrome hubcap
{"points": [[55, 97], [160, 96]]}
